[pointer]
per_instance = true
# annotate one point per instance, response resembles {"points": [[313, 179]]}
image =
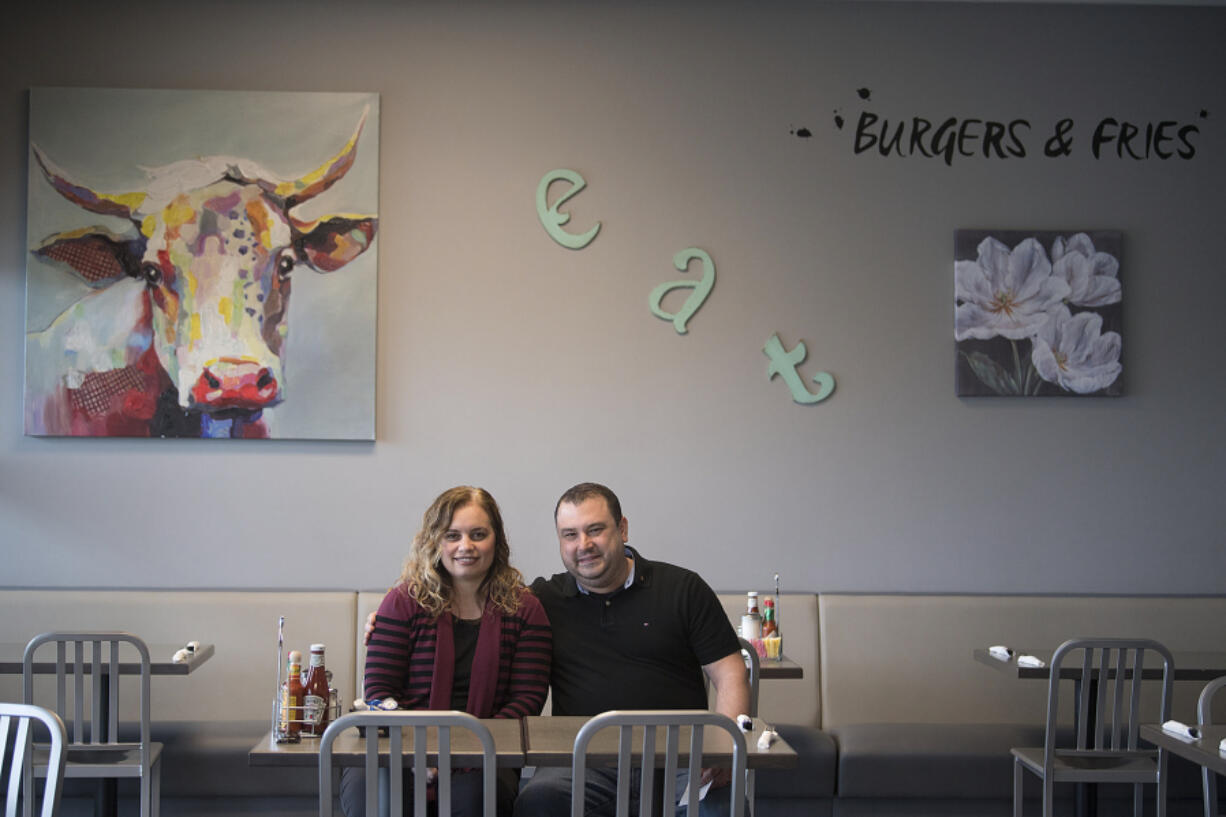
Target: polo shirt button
{"points": [[608, 603]]}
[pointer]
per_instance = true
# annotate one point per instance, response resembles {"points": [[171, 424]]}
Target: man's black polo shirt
{"points": [[642, 647]]}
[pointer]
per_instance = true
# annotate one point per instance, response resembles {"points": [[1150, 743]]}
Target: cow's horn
{"points": [[107, 204], [327, 174]]}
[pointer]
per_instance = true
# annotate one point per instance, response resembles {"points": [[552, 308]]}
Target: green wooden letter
{"points": [[701, 289], [784, 363], [551, 219]]}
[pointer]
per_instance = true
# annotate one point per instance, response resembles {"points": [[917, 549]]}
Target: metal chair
{"points": [[1204, 715], [650, 721], [97, 751], [394, 722], [1107, 724], [21, 717]]}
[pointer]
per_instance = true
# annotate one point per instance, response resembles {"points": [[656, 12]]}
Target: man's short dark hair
{"points": [[590, 490]]}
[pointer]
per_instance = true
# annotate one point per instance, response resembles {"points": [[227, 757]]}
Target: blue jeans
{"points": [[465, 792], [547, 794]]}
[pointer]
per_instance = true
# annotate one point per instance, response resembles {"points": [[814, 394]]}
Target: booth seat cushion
{"points": [[814, 774], [930, 760], [209, 758]]}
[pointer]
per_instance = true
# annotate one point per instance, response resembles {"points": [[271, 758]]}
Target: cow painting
{"points": [[185, 333]]}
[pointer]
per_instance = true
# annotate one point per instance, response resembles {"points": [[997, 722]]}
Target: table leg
{"points": [[106, 798], [1086, 798]]}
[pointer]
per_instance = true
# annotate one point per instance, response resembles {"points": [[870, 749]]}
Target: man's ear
{"points": [[624, 527]]}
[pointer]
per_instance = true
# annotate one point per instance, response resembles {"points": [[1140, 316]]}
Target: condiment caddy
{"points": [[760, 624], [306, 702]]}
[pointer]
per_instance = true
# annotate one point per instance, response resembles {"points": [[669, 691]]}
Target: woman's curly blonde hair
{"points": [[424, 577]]}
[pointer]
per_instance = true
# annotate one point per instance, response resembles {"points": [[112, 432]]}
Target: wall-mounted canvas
{"points": [[1037, 313], [166, 231]]}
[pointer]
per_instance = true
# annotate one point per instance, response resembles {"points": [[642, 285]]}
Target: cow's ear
{"points": [[94, 254], [330, 243]]}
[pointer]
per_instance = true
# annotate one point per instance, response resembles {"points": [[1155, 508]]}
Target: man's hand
{"points": [[720, 777], [370, 629]]}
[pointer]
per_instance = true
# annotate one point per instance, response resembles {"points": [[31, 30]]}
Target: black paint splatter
{"points": [[838, 120], [803, 133], [1204, 114], [864, 93]]}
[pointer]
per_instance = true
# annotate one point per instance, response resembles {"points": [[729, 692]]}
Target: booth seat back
{"points": [[789, 700], [238, 683], [909, 658]]}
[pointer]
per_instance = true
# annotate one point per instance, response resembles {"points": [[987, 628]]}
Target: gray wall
{"points": [[509, 362]]}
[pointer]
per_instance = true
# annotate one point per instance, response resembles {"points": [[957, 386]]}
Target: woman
{"points": [[458, 631]]}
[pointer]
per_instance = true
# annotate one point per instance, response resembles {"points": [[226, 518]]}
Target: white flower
{"points": [[1072, 352], [1006, 293], [1092, 276]]}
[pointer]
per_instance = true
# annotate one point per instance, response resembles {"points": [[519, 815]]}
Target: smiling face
{"points": [[467, 548], [593, 545]]}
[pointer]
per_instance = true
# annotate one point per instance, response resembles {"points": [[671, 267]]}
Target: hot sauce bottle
{"points": [[292, 694], [316, 695]]}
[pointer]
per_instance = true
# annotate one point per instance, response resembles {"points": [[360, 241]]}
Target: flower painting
{"points": [[1037, 313]]}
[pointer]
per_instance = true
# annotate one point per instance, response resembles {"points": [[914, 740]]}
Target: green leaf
{"points": [[991, 373]]}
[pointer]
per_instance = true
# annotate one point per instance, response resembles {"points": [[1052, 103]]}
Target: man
{"points": [[628, 633]]}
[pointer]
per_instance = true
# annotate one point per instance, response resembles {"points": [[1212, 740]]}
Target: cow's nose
{"points": [[233, 383]]}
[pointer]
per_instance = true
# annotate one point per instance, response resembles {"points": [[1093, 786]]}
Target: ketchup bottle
{"points": [[316, 697]]}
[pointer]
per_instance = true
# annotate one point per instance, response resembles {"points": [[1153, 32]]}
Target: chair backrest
{"points": [[1108, 680], [1204, 715], [394, 723], [671, 721], [17, 719], [101, 665], [753, 663]]}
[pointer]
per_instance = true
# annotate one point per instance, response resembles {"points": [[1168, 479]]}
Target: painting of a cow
{"points": [[185, 330]]}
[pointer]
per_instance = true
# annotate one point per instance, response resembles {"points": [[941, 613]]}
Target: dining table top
{"points": [[161, 659], [1204, 750], [780, 668], [549, 741], [1190, 665], [349, 748], [534, 741]]}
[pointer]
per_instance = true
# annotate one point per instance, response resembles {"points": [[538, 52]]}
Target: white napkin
{"points": [[179, 657], [1181, 729], [1001, 652], [1222, 746], [1029, 661], [766, 738], [685, 795]]}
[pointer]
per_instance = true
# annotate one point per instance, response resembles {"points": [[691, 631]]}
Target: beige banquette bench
{"points": [[922, 728], [893, 715]]}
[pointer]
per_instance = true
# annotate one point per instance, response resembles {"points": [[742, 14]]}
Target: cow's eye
{"points": [[285, 264], [152, 274]]}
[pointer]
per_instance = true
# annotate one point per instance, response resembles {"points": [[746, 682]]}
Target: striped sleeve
{"points": [[524, 661], [400, 655]]}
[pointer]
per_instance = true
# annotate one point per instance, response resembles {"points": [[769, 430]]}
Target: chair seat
{"points": [[84, 760], [1074, 766]]}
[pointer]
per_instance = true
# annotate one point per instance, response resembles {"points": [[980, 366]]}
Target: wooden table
{"points": [[349, 749], [783, 668], [1202, 751], [160, 663], [1189, 666], [549, 741]]}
